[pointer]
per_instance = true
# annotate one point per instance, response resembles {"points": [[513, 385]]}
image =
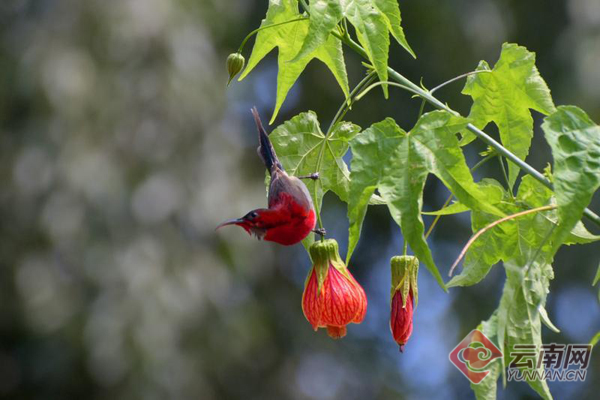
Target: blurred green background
{"points": [[121, 149]]}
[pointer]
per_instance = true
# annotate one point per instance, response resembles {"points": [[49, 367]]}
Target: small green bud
{"points": [[235, 63]]}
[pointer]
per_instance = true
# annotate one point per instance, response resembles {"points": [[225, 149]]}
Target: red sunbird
{"points": [[291, 214]]}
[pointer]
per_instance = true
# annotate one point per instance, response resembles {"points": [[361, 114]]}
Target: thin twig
{"points": [[437, 217], [505, 174], [367, 90], [493, 224], [421, 109], [441, 85], [248, 36], [340, 113], [456, 78], [366, 80]]}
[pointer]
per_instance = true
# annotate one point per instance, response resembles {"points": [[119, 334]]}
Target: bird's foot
{"points": [[314, 176], [320, 231]]}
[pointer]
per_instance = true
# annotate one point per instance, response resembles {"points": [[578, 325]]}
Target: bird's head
{"points": [[251, 222]]}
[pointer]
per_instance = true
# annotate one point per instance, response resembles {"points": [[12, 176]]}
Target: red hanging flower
{"points": [[401, 318], [332, 297], [403, 294]]}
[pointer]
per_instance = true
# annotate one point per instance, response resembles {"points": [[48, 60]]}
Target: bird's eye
{"points": [[252, 215]]}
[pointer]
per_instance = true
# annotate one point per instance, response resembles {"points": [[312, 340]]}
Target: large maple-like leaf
{"points": [[504, 95], [303, 149], [397, 163], [575, 142], [288, 38], [373, 20]]}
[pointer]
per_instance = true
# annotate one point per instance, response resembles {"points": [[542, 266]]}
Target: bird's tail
{"points": [[265, 148]]}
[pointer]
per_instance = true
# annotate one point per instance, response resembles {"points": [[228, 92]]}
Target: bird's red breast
{"points": [[287, 222]]}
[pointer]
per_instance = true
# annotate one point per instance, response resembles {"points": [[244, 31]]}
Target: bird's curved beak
{"points": [[230, 222]]}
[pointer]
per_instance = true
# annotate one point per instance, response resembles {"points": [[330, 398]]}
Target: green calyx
{"points": [[326, 254], [405, 270]]}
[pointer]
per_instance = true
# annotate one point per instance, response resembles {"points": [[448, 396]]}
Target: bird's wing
{"points": [[282, 183]]}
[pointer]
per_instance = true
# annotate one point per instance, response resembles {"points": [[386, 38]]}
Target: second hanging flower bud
{"points": [[404, 297]]}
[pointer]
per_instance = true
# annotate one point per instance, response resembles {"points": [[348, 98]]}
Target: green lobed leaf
{"points": [[511, 239], [528, 273], [505, 95], [575, 142], [324, 17], [397, 163], [493, 191], [391, 10], [401, 187], [526, 247], [372, 32], [373, 20], [535, 194], [519, 319], [400, 174], [371, 152], [326, 14], [580, 235], [532, 231], [434, 136], [508, 240], [289, 39], [300, 144], [489, 248]]}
